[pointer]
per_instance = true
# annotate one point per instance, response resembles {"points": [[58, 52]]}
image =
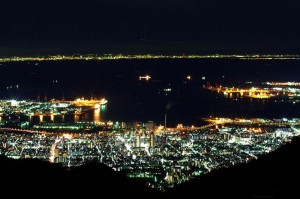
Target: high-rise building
{"points": [[138, 140], [150, 126], [151, 139], [56, 153]]}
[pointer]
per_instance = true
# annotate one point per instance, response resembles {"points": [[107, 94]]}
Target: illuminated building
{"points": [[138, 140], [56, 153], [152, 139], [150, 126]]}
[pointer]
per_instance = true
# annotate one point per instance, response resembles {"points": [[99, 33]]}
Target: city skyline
{"points": [[161, 156], [156, 98]]}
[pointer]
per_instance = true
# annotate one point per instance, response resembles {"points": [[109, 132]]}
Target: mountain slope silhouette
{"points": [[275, 175]]}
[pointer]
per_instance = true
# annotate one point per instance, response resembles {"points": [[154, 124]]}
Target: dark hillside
{"points": [[275, 175]]}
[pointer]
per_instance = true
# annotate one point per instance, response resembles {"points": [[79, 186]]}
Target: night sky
{"points": [[41, 27]]}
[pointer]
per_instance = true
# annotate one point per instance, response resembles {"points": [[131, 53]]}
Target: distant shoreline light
{"points": [[94, 57]]}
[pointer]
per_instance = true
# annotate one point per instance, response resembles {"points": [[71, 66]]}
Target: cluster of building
{"points": [[55, 115], [162, 157]]}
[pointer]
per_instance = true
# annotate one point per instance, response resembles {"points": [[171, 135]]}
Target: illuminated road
{"points": [[52, 150], [98, 149], [26, 131]]}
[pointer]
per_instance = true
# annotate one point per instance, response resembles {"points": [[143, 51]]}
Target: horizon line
{"points": [[97, 57]]}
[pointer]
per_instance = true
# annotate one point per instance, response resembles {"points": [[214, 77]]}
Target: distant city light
{"points": [[273, 90], [148, 56]]}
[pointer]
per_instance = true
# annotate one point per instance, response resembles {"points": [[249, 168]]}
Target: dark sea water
{"points": [[131, 99]]}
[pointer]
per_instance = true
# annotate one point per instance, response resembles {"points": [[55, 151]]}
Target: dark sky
{"points": [[33, 27]]}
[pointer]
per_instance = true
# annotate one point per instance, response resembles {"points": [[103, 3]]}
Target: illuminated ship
{"points": [[80, 102]]}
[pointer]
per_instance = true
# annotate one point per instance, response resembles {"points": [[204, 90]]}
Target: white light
{"points": [[103, 101], [14, 102], [147, 77], [277, 88]]}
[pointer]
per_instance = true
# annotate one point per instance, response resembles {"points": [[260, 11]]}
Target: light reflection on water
{"points": [[97, 115]]}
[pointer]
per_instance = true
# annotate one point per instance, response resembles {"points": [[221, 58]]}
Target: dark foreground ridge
{"points": [[275, 175], [30, 178]]}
